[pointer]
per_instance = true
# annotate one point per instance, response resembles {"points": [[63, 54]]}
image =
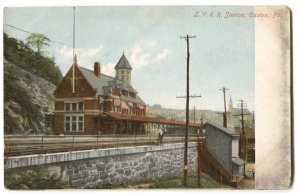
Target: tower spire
{"points": [[123, 69]]}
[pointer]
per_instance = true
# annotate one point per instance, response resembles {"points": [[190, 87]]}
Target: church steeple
{"points": [[230, 105], [123, 69]]}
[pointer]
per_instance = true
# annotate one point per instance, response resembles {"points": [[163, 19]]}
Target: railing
{"points": [[27, 145]]}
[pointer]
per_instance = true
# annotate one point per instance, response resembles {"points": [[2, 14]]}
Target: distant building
{"points": [[223, 144], [156, 106], [88, 108]]}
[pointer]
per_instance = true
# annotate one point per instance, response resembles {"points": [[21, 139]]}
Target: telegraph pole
{"points": [[253, 119], [185, 167], [242, 116], [199, 144], [194, 114], [243, 145], [243, 130], [225, 112]]}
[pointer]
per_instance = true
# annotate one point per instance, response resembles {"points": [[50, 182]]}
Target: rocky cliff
{"points": [[27, 99]]}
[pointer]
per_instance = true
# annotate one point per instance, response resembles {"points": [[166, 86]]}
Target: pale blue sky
{"points": [[221, 55]]}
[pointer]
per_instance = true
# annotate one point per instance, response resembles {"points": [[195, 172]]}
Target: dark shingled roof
{"points": [[223, 129], [123, 63], [105, 83]]}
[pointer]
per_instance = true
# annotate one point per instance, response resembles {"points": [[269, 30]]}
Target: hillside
{"points": [[29, 82]]}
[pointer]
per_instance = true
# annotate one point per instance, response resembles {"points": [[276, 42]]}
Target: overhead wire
{"points": [[54, 41]]}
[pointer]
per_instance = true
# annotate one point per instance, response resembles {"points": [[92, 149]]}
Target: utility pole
{"points": [[242, 117], [243, 145], [253, 119], [185, 167], [194, 114], [225, 112]]}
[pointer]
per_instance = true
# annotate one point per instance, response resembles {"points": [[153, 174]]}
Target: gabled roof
{"points": [[123, 63], [223, 129], [105, 83]]}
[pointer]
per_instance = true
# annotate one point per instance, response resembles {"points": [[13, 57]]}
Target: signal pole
{"points": [[185, 167]]}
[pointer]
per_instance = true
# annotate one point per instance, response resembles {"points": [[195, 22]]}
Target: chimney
{"points": [[97, 69]]}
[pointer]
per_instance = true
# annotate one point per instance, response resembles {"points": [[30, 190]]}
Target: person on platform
{"points": [[160, 136]]}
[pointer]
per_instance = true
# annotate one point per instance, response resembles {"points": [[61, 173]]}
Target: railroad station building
{"points": [[79, 109], [89, 102]]}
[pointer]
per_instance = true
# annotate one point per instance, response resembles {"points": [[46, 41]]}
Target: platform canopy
{"points": [[147, 119]]}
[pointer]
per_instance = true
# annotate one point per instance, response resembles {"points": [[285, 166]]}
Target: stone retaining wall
{"points": [[138, 164]]}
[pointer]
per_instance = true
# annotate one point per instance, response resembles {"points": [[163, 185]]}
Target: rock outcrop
{"points": [[27, 99]]}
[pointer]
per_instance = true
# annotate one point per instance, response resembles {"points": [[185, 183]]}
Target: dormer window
{"points": [[125, 93], [133, 95]]}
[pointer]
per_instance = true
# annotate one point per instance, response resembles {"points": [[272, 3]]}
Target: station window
{"points": [[74, 106], [74, 123], [78, 106], [67, 106]]}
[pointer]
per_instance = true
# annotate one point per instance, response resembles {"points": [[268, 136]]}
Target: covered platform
{"points": [[133, 124]]}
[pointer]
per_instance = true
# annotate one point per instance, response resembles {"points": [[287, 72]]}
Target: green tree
{"points": [[38, 41]]}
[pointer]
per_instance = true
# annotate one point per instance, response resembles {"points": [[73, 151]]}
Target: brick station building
{"points": [[82, 110]]}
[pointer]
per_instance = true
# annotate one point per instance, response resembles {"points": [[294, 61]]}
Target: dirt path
{"points": [[247, 184]]}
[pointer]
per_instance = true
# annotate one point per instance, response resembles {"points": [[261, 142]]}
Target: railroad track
{"points": [[28, 145]]}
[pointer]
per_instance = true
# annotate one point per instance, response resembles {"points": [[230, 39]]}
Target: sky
{"points": [[222, 54]]}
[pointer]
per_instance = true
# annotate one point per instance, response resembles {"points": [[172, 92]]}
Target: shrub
{"points": [[32, 180]]}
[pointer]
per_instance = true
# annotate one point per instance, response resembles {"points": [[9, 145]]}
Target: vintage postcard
{"points": [[151, 97]]}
